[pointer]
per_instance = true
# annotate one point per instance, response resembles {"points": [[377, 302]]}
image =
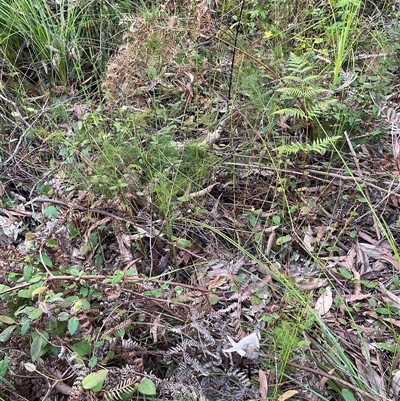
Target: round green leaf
{"points": [[147, 387], [184, 243], [213, 299], [276, 220], [82, 348], [50, 211], [345, 273], [63, 316], [3, 367], [92, 362], [35, 314], [283, 240], [44, 259]]}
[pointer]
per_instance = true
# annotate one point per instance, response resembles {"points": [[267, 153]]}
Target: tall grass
{"points": [[343, 30], [58, 42]]}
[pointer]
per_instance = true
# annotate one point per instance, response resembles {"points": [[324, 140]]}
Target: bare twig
{"points": [[22, 136], [360, 174], [140, 228]]}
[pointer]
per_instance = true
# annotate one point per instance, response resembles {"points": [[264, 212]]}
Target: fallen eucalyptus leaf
{"points": [[324, 302]]}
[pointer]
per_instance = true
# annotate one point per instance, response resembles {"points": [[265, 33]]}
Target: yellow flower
{"points": [[268, 34]]}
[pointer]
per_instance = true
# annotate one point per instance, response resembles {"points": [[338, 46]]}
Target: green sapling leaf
{"points": [[3, 367], [36, 347], [50, 212], [73, 325], [147, 387], [6, 334], [94, 380], [348, 395]]}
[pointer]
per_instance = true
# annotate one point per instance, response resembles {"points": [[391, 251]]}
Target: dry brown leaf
{"points": [[308, 239], [391, 321], [380, 252], [310, 284], [216, 282], [186, 257], [325, 379], [374, 379], [271, 229], [350, 260], [11, 213], [392, 297], [124, 245], [324, 302], [189, 87], [358, 297], [262, 377], [112, 292], [396, 151], [79, 109], [270, 242], [155, 328], [320, 234], [287, 395], [396, 384]]}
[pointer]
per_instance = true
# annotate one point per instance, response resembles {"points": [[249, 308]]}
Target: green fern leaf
{"points": [[297, 113], [319, 146]]}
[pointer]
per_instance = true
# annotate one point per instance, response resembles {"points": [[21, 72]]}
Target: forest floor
{"points": [[208, 221]]}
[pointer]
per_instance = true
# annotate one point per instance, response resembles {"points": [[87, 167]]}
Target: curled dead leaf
{"points": [[216, 282], [248, 346], [324, 302]]}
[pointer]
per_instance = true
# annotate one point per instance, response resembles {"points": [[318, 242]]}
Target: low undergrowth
{"points": [[199, 201]]}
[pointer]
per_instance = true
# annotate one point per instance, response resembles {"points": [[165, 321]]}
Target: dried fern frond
{"points": [[119, 327], [114, 318], [348, 78], [122, 390], [201, 328]]}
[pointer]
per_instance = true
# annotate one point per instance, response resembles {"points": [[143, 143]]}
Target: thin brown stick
{"points": [[365, 180], [360, 174], [86, 209]]}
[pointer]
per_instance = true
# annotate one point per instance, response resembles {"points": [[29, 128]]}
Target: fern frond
{"points": [[298, 64], [200, 327], [302, 88], [303, 91], [297, 113], [292, 79], [319, 146], [293, 91], [311, 91], [311, 79], [314, 110]]}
